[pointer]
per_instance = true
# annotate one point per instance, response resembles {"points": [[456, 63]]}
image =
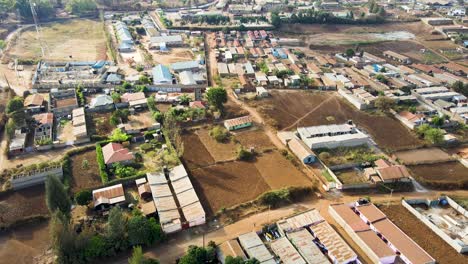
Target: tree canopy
{"points": [[217, 96], [56, 196]]}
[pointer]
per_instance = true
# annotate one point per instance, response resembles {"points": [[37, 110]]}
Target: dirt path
{"points": [[308, 113]]}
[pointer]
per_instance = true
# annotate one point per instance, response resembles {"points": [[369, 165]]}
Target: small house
{"points": [[304, 153], [261, 92], [34, 103], [115, 152], [102, 101], [238, 123], [109, 196]]}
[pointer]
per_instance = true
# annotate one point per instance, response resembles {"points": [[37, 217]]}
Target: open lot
{"points": [[82, 39], [174, 55], [139, 121], [288, 110], [219, 151], [350, 176], [225, 185], [422, 235], [85, 171], [65, 132], [222, 184], [279, 172], [422, 156], [22, 204], [446, 175], [100, 124]]}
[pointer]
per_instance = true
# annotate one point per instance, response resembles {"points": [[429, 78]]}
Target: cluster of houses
{"points": [[169, 195], [183, 74]]}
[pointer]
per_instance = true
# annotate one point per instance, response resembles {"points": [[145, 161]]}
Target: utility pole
{"points": [[38, 29]]}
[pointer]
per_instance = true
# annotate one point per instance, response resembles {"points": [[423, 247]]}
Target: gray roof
{"points": [[101, 100], [161, 74], [325, 129], [185, 65], [166, 39]]}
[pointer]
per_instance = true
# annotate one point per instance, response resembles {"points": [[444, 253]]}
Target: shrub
{"points": [[145, 147], [83, 197], [244, 155], [324, 156], [275, 198], [219, 133]]}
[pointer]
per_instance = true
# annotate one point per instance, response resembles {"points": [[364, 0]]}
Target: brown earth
{"points": [[85, 177], [422, 235], [426, 155], [224, 185], [22, 204], [288, 110], [232, 110], [195, 154], [279, 172], [254, 138], [219, 151], [100, 124], [446, 175]]}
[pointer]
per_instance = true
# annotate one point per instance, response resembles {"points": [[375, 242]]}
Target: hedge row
{"points": [[102, 166]]}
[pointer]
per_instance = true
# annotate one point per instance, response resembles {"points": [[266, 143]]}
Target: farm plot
{"points": [[289, 110], [254, 138], [446, 175], [219, 151], [22, 204], [80, 39], [85, 171], [195, 154], [100, 124], [225, 185], [422, 235], [279, 172], [422, 156]]}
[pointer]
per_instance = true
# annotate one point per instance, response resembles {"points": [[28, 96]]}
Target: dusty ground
{"points": [[224, 185], [420, 156], [255, 138], [85, 176], [219, 151], [350, 177], [192, 145], [140, 120], [232, 110], [422, 235], [100, 124], [174, 55], [279, 172], [83, 39], [291, 109], [65, 133], [22, 204], [446, 175]]}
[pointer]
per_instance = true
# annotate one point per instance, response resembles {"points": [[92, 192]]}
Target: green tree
{"points": [[197, 255], [116, 229], [123, 171], [115, 97], [44, 9], [240, 260], [83, 197], [219, 133], [119, 136], [79, 7], [217, 96], [381, 78], [275, 19], [184, 99], [15, 105], [138, 258], [460, 87], [144, 80], [434, 136], [96, 247], [350, 53], [437, 121], [384, 103], [56, 195], [10, 128], [142, 231]]}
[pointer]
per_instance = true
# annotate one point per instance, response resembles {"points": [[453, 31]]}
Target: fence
{"points": [[28, 179]]}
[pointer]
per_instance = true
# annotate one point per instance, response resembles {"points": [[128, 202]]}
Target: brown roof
{"points": [[34, 100], [426, 68], [238, 121], [375, 243], [148, 208], [403, 243], [410, 116], [144, 188], [45, 118], [381, 163], [350, 217], [114, 152], [393, 172], [371, 212], [232, 248], [109, 192]]}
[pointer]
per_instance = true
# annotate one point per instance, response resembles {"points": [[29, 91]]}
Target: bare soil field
{"points": [[100, 124], [350, 176], [224, 185], [22, 204], [422, 156], [82, 39], [195, 154], [85, 176], [232, 110], [446, 175], [65, 132], [279, 172], [175, 55], [291, 109], [219, 151], [254, 138], [140, 120], [422, 235]]}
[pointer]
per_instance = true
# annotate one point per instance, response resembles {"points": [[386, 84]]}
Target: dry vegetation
{"points": [[446, 175]]}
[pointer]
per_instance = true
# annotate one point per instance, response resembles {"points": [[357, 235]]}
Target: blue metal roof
{"points": [[161, 74], [183, 65]]}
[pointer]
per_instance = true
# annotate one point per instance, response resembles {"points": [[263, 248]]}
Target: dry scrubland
{"points": [[83, 39], [222, 182], [288, 110]]}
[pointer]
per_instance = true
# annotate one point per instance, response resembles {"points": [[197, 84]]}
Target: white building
{"points": [[332, 136]]}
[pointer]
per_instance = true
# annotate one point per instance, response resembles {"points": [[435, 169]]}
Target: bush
{"points": [[83, 197], [145, 147], [244, 155], [101, 164], [324, 156], [219, 133]]}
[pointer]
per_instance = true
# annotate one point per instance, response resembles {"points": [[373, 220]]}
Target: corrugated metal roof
{"points": [[301, 220], [177, 172], [187, 197], [182, 185], [303, 241], [286, 251], [161, 74]]}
